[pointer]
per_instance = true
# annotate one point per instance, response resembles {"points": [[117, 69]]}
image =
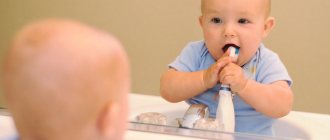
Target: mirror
{"points": [[154, 33]]}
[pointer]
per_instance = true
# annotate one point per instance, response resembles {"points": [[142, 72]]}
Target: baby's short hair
{"points": [[268, 9], [64, 73]]}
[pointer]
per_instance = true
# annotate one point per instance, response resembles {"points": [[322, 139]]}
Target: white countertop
{"points": [[316, 125]]}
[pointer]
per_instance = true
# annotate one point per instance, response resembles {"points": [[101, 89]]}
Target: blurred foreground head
{"points": [[66, 80]]}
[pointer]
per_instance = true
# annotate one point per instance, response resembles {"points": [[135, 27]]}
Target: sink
{"points": [[297, 125], [284, 127]]}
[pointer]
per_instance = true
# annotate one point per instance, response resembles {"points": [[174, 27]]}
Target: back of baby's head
{"points": [[59, 74]]}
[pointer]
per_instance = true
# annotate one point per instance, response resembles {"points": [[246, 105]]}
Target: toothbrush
{"points": [[225, 112]]}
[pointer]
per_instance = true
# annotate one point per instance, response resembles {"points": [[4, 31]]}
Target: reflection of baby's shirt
{"points": [[265, 67]]}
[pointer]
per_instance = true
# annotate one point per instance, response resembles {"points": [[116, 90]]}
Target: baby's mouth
{"points": [[225, 48]]}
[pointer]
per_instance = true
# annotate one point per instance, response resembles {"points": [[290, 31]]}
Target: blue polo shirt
{"points": [[265, 67]]}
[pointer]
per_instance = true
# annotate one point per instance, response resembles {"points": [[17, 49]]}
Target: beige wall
{"points": [[155, 31]]}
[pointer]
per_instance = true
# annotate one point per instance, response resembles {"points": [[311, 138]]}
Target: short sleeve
{"points": [[189, 58], [271, 68]]}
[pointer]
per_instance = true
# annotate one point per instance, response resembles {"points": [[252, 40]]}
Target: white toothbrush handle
{"points": [[225, 112]]}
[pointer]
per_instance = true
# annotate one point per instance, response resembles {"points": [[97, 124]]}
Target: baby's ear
{"points": [[269, 25], [108, 121], [200, 20]]}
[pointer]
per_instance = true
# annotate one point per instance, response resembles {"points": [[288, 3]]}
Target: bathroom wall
{"points": [[155, 31]]}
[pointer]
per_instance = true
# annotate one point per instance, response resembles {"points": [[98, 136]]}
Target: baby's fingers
{"points": [[225, 76], [222, 62]]}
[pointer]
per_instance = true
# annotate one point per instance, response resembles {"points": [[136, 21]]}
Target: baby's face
{"points": [[239, 22]]}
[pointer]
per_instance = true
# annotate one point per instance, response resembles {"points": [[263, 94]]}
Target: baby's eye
{"points": [[243, 21], [216, 20]]}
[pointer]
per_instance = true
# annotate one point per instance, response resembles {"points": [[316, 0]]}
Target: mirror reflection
{"points": [[230, 68], [254, 67]]}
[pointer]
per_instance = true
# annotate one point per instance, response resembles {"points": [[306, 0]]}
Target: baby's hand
{"points": [[211, 75], [233, 75]]}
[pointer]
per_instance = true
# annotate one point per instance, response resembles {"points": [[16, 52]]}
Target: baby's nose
{"points": [[229, 31], [229, 35]]}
